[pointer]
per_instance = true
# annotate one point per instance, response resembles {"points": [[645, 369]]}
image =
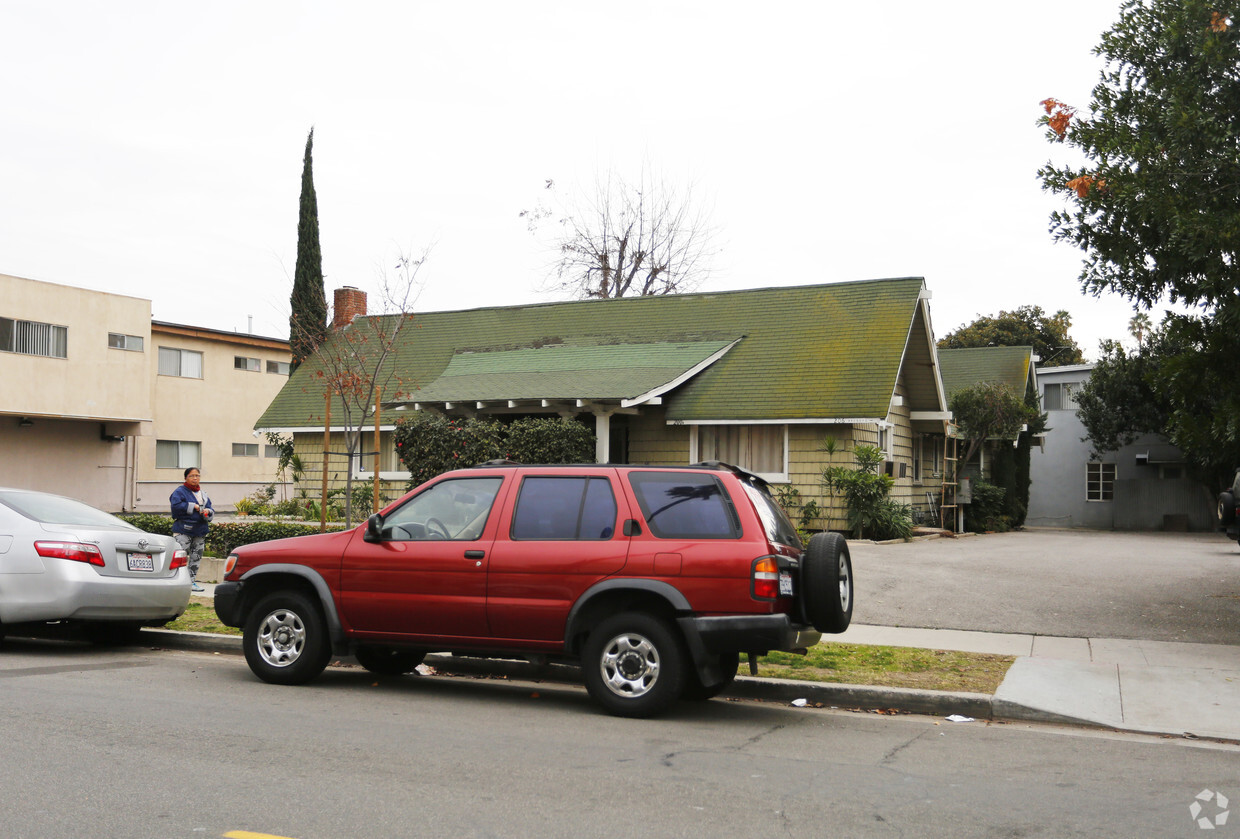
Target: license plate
{"points": [[141, 562], [785, 583]]}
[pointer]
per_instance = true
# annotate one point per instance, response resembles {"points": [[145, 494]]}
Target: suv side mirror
{"points": [[374, 528]]}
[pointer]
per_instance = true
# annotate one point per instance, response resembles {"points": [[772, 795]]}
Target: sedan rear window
{"points": [[55, 509], [684, 505]]}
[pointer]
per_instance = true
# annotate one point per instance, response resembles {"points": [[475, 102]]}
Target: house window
{"points": [[30, 338], [118, 341], [245, 449], [926, 455], [1099, 481], [389, 464], [1060, 397], [759, 448], [184, 363], [240, 362], [278, 367], [178, 454], [271, 451], [884, 440]]}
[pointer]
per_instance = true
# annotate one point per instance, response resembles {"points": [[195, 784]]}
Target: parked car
{"points": [[1227, 520], [62, 560], [654, 579]]}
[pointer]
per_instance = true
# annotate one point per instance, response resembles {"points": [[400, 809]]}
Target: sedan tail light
{"points": [[77, 551], [179, 560]]}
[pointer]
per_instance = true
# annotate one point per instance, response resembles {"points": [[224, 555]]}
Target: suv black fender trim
{"points": [[666, 592], [334, 628]]}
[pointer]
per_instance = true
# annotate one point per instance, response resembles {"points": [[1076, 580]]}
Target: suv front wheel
{"points": [[285, 639], [634, 665]]}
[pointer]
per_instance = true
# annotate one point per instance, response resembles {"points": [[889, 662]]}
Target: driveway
{"points": [[1150, 586]]}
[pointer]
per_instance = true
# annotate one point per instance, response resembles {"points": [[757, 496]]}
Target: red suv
{"points": [[654, 579]]}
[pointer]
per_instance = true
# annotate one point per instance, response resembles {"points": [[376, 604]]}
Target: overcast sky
{"points": [[155, 148]]}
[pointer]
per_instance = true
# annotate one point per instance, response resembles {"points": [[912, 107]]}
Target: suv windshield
{"points": [[778, 526]]}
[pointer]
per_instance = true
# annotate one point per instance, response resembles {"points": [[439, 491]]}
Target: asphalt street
{"points": [[1153, 586]]}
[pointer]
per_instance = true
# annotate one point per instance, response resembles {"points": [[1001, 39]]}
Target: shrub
{"points": [[543, 440], [871, 513], [985, 513], [224, 536]]}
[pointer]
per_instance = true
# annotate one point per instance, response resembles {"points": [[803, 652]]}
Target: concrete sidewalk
{"points": [[1155, 687]]}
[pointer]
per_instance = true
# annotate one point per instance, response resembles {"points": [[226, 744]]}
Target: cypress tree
{"points": [[307, 321]]}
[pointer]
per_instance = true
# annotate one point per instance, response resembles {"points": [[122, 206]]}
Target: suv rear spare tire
{"points": [[827, 583]]}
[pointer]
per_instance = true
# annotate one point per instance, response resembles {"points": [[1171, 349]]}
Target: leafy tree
{"points": [[1027, 326], [991, 410], [628, 239], [307, 323], [1156, 207], [1156, 204], [1179, 383]]}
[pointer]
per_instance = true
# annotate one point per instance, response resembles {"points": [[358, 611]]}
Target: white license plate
{"points": [[785, 583], [141, 562]]}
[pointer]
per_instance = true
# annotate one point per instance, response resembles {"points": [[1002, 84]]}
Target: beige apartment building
{"points": [[100, 403]]}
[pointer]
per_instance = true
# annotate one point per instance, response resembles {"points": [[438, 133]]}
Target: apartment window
{"points": [[31, 338], [184, 363], [178, 454], [1060, 397], [245, 449], [279, 367], [759, 448], [271, 451], [118, 341], [1099, 481], [240, 362]]}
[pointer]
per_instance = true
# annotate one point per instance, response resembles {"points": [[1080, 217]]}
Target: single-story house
{"points": [[759, 378]]}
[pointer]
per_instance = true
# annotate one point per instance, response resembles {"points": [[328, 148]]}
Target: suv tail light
{"points": [[179, 560], [765, 578], [76, 551]]}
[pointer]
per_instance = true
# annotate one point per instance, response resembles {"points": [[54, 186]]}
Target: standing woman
{"points": [[191, 515]]}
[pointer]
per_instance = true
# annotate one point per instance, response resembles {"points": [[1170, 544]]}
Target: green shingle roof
{"points": [[805, 352], [966, 367]]}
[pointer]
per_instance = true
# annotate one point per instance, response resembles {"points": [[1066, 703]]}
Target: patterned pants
{"points": [[193, 546]]}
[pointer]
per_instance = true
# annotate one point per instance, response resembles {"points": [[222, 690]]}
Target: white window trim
{"points": [[769, 477], [1114, 478]]}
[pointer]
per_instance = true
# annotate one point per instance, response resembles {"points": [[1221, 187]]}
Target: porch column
{"points": [[602, 436]]}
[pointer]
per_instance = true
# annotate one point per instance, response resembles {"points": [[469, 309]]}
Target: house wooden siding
{"points": [[652, 441]]}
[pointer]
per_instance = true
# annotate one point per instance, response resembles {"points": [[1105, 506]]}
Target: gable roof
{"points": [[791, 353], [963, 368]]}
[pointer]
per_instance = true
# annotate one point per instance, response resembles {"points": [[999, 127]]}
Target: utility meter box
{"points": [[964, 492]]}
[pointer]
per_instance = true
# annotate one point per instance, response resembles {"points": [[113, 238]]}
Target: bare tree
{"points": [[355, 363], [628, 239]]}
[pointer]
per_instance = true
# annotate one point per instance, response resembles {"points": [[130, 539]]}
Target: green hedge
{"points": [[224, 536]]}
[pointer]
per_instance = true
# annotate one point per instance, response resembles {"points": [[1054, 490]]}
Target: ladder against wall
{"points": [[951, 480]]}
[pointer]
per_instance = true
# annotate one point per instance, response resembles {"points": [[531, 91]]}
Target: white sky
{"points": [[155, 148]]}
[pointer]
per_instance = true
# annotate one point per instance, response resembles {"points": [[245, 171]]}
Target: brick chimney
{"points": [[349, 302]]}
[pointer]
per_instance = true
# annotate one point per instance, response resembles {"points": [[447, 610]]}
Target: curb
{"points": [[932, 703]]}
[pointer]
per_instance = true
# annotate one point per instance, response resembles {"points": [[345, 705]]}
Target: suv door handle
{"points": [[475, 554]]}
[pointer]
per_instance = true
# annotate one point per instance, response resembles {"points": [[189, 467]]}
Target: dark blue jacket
{"points": [[184, 520]]}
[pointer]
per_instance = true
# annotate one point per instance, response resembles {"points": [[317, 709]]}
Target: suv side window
{"points": [[454, 509], [685, 505], [565, 508]]}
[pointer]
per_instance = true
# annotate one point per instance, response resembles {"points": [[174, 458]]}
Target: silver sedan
{"points": [[62, 560]]}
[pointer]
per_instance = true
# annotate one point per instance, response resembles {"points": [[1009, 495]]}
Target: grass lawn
{"points": [[852, 664]]}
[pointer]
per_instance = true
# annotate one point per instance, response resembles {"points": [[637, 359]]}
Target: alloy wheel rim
{"points": [[281, 638], [630, 665]]}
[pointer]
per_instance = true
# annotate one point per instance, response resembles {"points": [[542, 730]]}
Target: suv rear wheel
{"points": [[634, 665], [285, 639], [827, 583]]}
